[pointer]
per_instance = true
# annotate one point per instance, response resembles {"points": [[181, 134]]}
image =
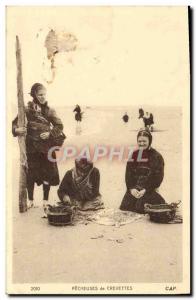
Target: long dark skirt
{"points": [[130, 203], [78, 117], [40, 169]]}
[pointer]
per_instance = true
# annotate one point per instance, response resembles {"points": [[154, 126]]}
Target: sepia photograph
{"points": [[98, 150]]}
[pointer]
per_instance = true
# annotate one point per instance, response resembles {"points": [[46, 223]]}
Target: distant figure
{"points": [[77, 109], [141, 113], [151, 119], [125, 118], [78, 115], [146, 118], [148, 121]]}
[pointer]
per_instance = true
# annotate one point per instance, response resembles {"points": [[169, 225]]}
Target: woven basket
{"points": [[60, 216], [161, 213]]}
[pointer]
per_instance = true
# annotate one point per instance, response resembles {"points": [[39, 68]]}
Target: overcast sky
{"points": [[130, 55]]}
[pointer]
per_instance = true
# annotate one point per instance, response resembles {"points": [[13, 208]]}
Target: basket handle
{"points": [[147, 207], [176, 204]]}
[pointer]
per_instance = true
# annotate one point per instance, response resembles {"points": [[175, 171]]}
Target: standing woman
{"points": [[43, 128], [143, 175]]}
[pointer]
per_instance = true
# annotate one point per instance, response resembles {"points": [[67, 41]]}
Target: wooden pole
{"points": [[21, 139]]}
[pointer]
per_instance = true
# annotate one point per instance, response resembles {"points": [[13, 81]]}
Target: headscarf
{"points": [[82, 184], [145, 132], [85, 167], [34, 89], [83, 164]]}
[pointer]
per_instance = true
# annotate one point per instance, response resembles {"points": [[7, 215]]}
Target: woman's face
{"points": [[143, 142], [41, 96], [80, 172]]}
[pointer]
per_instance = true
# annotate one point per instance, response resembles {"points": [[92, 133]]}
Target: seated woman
{"points": [[80, 186], [143, 177]]}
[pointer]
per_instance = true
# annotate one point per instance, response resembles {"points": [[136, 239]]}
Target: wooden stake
{"points": [[21, 139]]}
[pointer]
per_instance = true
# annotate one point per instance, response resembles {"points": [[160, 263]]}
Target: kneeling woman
{"points": [[80, 186], [144, 174]]}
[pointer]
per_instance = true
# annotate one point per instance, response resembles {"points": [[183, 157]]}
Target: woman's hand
{"points": [[44, 135], [142, 192], [66, 200], [21, 131], [135, 193]]}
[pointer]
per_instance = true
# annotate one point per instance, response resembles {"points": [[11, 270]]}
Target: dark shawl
{"points": [[39, 120], [85, 189]]}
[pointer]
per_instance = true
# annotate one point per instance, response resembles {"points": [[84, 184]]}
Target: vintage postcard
{"points": [[98, 143]]}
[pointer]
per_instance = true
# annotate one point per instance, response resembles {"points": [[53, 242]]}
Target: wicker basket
{"points": [[161, 213], [60, 215]]}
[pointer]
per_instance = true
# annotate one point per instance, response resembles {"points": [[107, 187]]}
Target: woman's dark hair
{"points": [[145, 132]]}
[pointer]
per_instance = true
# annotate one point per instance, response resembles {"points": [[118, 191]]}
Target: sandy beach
{"points": [[148, 252]]}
